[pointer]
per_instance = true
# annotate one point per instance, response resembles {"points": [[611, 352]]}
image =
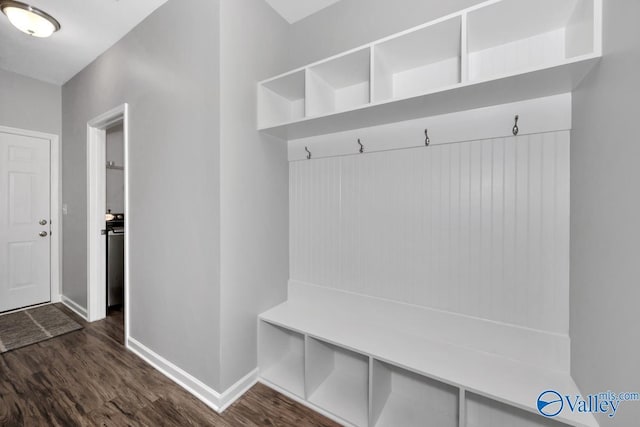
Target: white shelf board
{"points": [[343, 394], [287, 373], [498, 378], [482, 412], [541, 50], [305, 402], [511, 20], [405, 398], [533, 83], [408, 411]]}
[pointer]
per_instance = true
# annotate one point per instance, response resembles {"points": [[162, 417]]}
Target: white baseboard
{"points": [[235, 392], [216, 401], [73, 306]]}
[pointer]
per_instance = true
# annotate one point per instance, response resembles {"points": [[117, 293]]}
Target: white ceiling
{"points": [[295, 10], [89, 27]]}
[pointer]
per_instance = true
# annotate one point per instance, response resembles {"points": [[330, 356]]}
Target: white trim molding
{"points": [[216, 401], [96, 207], [546, 114], [74, 306]]}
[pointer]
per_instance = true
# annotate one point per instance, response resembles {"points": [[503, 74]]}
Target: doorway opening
{"points": [[108, 215]]}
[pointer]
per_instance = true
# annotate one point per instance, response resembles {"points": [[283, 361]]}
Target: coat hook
{"points": [[361, 146], [515, 127], [308, 153], [427, 141]]}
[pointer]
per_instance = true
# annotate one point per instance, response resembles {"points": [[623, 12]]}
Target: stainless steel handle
{"points": [[43, 222], [43, 234]]}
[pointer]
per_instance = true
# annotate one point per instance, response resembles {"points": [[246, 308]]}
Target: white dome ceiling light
{"points": [[28, 19]]}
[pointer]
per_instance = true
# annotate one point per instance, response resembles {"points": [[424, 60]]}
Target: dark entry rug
{"points": [[32, 326]]}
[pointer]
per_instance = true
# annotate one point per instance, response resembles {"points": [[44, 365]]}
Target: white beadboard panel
{"points": [[479, 228], [315, 217]]}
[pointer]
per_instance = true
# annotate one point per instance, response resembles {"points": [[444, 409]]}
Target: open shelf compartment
{"points": [[339, 84], [282, 100], [513, 36], [418, 62], [404, 398], [483, 412], [281, 357], [338, 381]]}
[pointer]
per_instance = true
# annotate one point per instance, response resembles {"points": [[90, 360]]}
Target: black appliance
{"points": [[115, 231]]}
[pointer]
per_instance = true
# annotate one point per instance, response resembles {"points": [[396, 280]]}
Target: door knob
{"points": [[43, 222], [43, 234]]}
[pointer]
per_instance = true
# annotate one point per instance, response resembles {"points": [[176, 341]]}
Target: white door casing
{"points": [[96, 208], [25, 213]]}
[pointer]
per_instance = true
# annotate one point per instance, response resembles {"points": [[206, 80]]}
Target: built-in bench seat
{"points": [[482, 361]]}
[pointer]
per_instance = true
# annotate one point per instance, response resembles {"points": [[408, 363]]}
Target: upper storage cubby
{"points": [[281, 100], [418, 62], [339, 84], [496, 52], [514, 36]]}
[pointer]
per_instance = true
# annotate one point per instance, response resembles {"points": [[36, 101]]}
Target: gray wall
{"points": [[351, 23], [30, 104], [605, 224], [255, 183], [166, 69]]}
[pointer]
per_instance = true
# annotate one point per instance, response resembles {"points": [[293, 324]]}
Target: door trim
{"points": [[55, 205], [96, 208]]}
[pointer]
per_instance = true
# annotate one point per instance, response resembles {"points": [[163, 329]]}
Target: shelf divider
{"points": [[338, 381], [281, 357]]}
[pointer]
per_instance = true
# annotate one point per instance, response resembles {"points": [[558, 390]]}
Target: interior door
{"points": [[25, 260]]}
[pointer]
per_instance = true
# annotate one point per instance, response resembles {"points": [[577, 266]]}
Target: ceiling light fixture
{"points": [[29, 19]]}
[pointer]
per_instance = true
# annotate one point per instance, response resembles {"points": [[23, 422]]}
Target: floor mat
{"points": [[32, 326]]}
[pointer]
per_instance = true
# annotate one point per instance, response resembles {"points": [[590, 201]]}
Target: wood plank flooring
{"points": [[88, 378]]}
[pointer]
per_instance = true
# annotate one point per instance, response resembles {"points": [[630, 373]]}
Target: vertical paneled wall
{"points": [[479, 228]]}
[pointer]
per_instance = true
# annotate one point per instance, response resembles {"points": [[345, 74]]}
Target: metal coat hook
{"points": [[361, 146], [427, 141], [308, 153], [515, 126]]}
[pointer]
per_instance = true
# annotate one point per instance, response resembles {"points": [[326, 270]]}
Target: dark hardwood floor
{"points": [[88, 378]]}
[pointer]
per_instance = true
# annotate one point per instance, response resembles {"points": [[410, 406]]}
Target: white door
{"points": [[25, 260]]}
